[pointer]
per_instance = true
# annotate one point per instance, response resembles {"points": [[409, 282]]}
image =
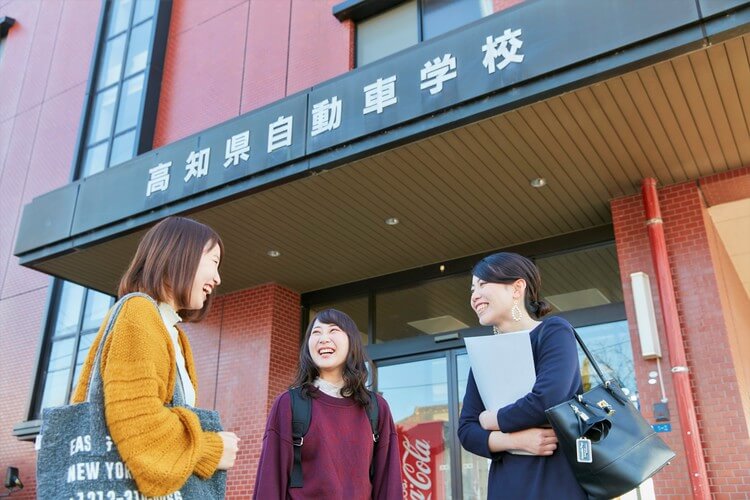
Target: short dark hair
{"points": [[355, 368], [166, 262], [506, 268]]}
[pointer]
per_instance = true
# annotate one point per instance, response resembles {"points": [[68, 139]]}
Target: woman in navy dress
{"points": [[505, 295]]}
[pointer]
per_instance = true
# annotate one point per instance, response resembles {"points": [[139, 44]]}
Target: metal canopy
{"points": [[467, 190]]}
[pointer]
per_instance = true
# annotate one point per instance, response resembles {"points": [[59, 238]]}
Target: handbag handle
{"points": [[591, 357], [588, 355], [95, 392]]}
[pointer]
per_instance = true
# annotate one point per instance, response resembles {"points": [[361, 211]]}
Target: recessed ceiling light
{"points": [[273, 253], [538, 182], [391, 221]]}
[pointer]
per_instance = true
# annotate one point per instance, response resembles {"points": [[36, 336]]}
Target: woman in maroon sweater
{"points": [[338, 448]]}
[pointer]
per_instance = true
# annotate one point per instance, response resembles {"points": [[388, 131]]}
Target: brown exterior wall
{"points": [[715, 384], [224, 58], [43, 78], [45, 70]]}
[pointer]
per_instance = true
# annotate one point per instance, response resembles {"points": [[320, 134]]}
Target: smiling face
{"points": [[206, 277], [492, 302], [329, 348]]}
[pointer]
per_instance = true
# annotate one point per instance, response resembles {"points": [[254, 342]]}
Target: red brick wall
{"points": [[44, 70], [227, 57], [320, 46], [729, 186], [246, 353], [20, 320], [207, 80], [714, 381]]}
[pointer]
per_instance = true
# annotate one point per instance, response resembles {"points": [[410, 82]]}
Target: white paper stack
{"points": [[503, 367]]}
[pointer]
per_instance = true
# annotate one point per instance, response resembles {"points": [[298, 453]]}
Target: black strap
{"points": [[301, 412], [605, 381], [590, 356], [372, 414]]}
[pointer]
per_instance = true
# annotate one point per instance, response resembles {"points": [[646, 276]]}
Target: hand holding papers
{"points": [[503, 367]]}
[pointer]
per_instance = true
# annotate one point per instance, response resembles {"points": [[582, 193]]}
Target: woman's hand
{"points": [[488, 421], [536, 440], [229, 454]]}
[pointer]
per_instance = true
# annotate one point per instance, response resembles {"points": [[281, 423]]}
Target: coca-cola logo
{"points": [[416, 468]]}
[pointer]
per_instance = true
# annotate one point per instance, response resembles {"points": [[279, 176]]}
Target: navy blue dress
{"points": [[558, 378]]}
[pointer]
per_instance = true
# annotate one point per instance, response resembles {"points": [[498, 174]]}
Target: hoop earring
{"points": [[496, 330], [515, 311]]}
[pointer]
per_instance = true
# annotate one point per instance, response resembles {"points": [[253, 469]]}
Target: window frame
{"points": [[362, 10], [146, 126], [52, 314]]}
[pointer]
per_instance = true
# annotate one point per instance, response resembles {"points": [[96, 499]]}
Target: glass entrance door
{"points": [[424, 394]]}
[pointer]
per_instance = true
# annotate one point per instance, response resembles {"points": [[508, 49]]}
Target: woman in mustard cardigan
{"points": [[145, 355]]}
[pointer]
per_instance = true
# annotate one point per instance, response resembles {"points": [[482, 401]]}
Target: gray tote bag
{"points": [[77, 459]]}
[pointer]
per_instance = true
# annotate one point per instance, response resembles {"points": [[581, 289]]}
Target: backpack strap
{"points": [[301, 412], [372, 415]]}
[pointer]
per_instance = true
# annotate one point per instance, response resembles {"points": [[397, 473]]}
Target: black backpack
{"points": [[301, 412]]}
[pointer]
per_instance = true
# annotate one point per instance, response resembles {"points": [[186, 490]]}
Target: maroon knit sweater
{"points": [[336, 453]]}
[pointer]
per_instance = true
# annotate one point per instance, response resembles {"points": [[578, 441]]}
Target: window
{"points": [[77, 314], [431, 308], [118, 125], [411, 22], [119, 86], [579, 282]]}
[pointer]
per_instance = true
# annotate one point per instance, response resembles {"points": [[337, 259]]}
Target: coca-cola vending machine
{"points": [[423, 460]]}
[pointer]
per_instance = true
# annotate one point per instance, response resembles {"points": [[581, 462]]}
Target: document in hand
{"points": [[503, 367]]}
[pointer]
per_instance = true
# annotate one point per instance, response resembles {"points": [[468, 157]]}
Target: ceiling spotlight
{"points": [[538, 182], [273, 253], [391, 221], [442, 268]]}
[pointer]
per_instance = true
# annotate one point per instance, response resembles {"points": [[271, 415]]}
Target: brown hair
{"points": [[166, 262], [506, 268], [355, 368]]}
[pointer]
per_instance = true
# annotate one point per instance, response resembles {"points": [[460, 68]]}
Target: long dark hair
{"points": [[506, 268], [166, 262], [355, 369]]}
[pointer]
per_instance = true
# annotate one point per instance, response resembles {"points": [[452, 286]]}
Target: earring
{"points": [[496, 330], [515, 311]]}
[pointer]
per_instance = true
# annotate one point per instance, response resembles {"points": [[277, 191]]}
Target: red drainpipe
{"points": [[680, 373]]}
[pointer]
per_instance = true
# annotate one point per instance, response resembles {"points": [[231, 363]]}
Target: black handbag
{"points": [[610, 446]]}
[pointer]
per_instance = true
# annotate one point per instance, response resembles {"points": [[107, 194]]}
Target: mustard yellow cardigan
{"points": [[160, 445]]}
